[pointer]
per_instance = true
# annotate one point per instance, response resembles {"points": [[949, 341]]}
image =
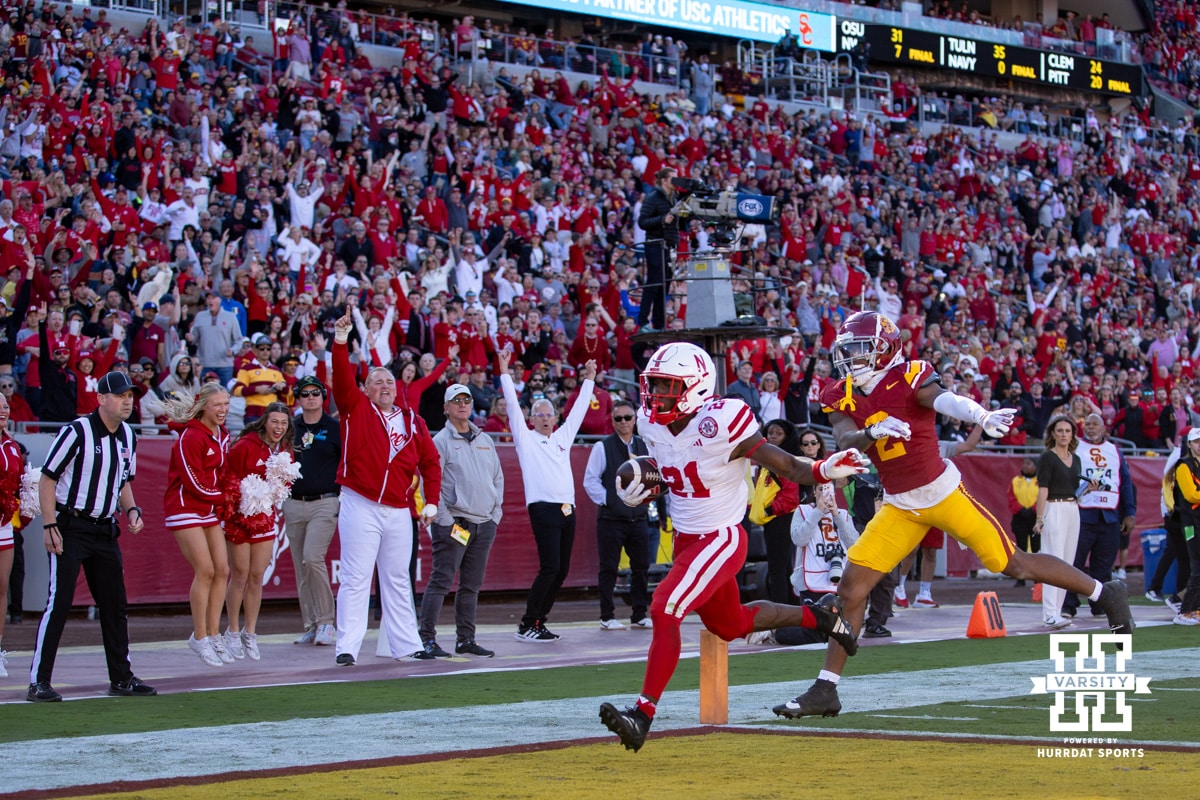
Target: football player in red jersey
{"points": [[700, 442], [887, 407]]}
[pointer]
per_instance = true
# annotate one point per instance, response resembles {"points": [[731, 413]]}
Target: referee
{"points": [[85, 481]]}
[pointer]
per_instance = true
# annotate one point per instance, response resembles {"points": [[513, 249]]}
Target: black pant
{"points": [[93, 547], [1191, 599], [554, 533], [16, 578], [1097, 550], [793, 635], [1022, 528], [880, 599], [654, 293], [1176, 553], [613, 535], [781, 555]]}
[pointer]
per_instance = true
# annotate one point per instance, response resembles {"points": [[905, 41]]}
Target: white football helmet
{"points": [[691, 376]]}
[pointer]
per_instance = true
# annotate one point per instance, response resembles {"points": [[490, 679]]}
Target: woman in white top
{"points": [[373, 333]]}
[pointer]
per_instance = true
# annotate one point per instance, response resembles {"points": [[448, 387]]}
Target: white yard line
{"points": [[306, 742]]}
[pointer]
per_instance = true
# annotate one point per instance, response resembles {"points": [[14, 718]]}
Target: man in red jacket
{"points": [[392, 448]]}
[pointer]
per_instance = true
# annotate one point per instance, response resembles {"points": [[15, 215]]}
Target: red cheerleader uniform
{"points": [[193, 477], [247, 457]]}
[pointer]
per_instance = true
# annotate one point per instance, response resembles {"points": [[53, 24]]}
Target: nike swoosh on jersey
{"points": [[890, 385]]}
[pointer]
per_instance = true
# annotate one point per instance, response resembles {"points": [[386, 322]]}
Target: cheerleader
{"points": [[190, 508], [12, 468], [251, 538]]}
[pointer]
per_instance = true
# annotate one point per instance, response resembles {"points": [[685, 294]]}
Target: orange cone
{"points": [[986, 620], [1037, 593]]}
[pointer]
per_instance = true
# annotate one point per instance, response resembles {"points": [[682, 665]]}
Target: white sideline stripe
{"points": [[306, 742], [925, 716]]}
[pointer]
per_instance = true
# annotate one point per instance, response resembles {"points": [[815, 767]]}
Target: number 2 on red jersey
{"points": [[686, 483]]}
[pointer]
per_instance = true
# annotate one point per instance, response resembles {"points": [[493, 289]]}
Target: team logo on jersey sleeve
{"points": [[708, 427]]}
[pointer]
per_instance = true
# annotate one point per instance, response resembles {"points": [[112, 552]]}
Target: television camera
{"points": [[722, 209]]}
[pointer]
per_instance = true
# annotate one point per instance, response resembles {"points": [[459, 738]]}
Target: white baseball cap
{"points": [[454, 391]]}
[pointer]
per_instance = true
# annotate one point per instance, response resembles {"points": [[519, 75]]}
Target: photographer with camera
{"points": [[662, 235], [822, 533], [1107, 507]]}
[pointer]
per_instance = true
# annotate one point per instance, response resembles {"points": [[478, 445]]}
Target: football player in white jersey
{"points": [[701, 442]]}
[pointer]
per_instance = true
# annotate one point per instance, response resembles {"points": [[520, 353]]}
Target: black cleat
{"points": [[42, 692], [631, 725], [828, 611], [134, 687], [821, 700], [1114, 599], [345, 660]]}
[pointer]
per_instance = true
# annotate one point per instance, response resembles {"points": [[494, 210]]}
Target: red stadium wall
{"points": [[156, 573]]}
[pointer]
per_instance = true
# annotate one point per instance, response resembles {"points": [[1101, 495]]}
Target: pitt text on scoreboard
{"points": [[990, 59]]}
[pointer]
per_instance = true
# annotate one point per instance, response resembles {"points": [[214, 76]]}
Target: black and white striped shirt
{"points": [[91, 465]]}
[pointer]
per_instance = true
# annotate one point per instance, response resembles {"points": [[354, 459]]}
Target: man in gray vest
{"points": [[1106, 510], [619, 526]]}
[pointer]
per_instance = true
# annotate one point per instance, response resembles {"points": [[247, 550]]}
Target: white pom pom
{"points": [[282, 472], [31, 504], [257, 496]]}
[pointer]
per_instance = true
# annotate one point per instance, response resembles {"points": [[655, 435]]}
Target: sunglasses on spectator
{"points": [[135, 370], [311, 393], [622, 417], [809, 443], [8, 386], [463, 399]]}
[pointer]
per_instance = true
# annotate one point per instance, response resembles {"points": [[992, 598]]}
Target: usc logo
{"points": [[1097, 457]]}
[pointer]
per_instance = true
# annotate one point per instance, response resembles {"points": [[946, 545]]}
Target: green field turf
{"points": [[204, 709]]}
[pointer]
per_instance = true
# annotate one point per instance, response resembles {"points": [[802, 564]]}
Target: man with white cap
{"points": [[468, 513]]}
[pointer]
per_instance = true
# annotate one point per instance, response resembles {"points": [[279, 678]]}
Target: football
{"points": [[644, 470]]}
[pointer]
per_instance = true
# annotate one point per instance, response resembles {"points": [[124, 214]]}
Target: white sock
{"points": [[900, 592], [832, 677], [1095, 595], [926, 588]]}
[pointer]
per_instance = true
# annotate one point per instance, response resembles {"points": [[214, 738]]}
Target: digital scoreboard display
{"points": [[989, 59]]}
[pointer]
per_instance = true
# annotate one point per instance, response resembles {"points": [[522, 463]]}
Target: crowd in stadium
{"points": [[154, 175]]}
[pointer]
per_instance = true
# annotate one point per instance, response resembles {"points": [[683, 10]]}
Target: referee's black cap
{"points": [[114, 383]]}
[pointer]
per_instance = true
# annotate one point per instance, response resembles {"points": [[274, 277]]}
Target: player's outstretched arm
{"points": [[798, 469], [995, 423]]}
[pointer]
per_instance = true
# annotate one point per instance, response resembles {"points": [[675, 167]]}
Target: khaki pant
{"points": [[310, 526]]}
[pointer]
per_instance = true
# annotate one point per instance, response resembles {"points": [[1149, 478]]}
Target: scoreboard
{"points": [[942, 51]]}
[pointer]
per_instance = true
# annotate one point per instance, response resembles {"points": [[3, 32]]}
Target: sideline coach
{"points": [[84, 482]]}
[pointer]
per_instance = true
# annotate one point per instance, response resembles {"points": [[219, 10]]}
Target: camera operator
{"points": [[662, 236]]}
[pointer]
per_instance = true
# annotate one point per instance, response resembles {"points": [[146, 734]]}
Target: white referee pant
{"points": [[375, 535], [1060, 536]]}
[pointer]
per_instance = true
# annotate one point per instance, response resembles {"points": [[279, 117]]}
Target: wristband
{"points": [[50, 526], [132, 509], [816, 471]]}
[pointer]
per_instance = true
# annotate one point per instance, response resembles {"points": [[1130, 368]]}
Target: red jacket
{"points": [[373, 472], [194, 473]]}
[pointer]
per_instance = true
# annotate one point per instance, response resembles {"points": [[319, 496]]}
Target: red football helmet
{"points": [[866, 344], [690, 376]]}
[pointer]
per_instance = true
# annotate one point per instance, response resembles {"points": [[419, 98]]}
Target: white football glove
{"points": [[890, 427], [841, 465], [428, 512], [634, 494], [998, 423]]}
